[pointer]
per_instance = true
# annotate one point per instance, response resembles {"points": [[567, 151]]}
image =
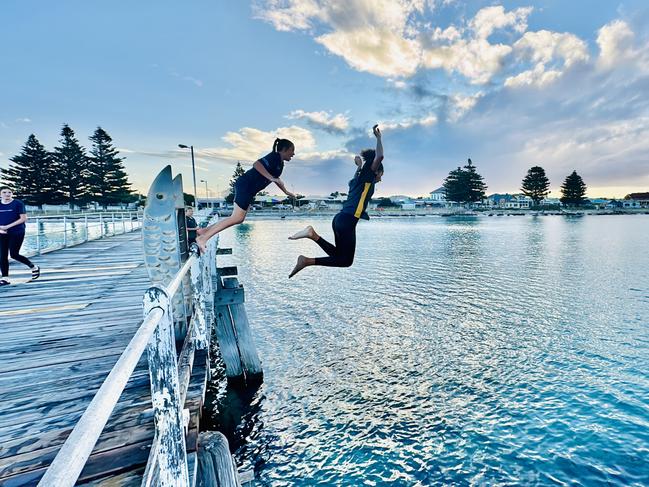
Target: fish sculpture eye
{"points": [[160, 196]]}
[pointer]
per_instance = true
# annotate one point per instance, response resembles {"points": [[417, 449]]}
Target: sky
{"points": [[562, 85]]}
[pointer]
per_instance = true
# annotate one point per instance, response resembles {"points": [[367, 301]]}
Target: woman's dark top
{"points": [[11, 212], [361, 189], [252, 182]]}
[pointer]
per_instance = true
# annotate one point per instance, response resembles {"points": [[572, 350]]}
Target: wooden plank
{"points": [[227, 340], [245, 342]]}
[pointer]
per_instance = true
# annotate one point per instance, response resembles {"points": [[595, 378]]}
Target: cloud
{"points": [[476, 59], [615, 41], [490, 19], [336, 124], [547, 49], [24, 120], [406, 123], [387, 37]]}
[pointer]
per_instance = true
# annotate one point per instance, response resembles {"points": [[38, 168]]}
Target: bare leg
{"points": [[238, 216], [308, 232], [302, 262]]}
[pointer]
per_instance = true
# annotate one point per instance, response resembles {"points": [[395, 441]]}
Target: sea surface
{"points": [[455, 351]]}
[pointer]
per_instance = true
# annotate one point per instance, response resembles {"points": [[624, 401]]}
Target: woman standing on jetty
{"points": [[12, 233], [361, 189], [263, 172]]}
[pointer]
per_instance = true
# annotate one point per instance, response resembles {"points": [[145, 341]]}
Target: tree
{"points": [[464, 185], [573, 190], [71, 165], [32, 174], [536, 184], [475, 182], [189, 199], [385, 203], [455, 186], [107, 182], [238, 171]]}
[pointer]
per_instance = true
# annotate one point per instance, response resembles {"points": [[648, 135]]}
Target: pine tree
{"points": [[455, 186], [238, 171], [32, 175], [107, 182], [573, 190], [536, 184], [71, 164], [465, 185], [475, 183]]}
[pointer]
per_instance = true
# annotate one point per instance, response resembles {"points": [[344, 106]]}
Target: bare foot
{"points": [[308, 232], [201, 241], [301, 264]]}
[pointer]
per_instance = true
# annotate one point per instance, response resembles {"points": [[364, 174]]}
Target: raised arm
{"points": [[379, 148]]}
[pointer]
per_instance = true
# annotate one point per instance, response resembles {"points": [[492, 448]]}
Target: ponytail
{"points": [[281, 144]]}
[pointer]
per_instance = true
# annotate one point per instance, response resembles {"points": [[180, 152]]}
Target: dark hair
{"points": [[369, 155], [2, 188], [281, 144]]}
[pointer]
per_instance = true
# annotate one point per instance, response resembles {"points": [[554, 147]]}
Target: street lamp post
{"points": [[206, 193], [191, 147]]}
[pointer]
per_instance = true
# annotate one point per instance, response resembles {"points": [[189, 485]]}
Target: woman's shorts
{"points": [[243, 195]]}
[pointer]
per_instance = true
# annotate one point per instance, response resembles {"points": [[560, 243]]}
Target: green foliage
{"points": [[465, 185], [536, 184], [189, 199], [32, 176], [71, 166], [573, 190], [238, 172], [386, 203], [106, 179]]}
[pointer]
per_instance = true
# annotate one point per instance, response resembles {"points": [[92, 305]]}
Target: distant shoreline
{"points": [[442, 213]]}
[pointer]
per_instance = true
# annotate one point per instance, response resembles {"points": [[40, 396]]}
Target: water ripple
{"points": [[454, 352]]}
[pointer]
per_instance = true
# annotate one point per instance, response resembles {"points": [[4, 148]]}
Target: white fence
{"points": [[48, 233]]}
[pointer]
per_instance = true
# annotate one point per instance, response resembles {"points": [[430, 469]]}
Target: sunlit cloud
{"points": [[336, 124]]}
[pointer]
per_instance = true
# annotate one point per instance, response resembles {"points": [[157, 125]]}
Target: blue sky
{"points": [[564, 85]]}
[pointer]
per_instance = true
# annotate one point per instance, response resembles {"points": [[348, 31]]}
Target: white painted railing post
{"points": [[198, 297], [123, 224], [38, 237], [85, 220], [113, 221], [65, 231], [163, 370], [101, 225]]}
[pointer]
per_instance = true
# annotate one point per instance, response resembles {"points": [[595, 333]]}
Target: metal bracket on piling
{"points": [[227, 297]]}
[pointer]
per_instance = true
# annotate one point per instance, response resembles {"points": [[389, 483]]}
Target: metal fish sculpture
{"points": [[179, 198], [160, 235]]}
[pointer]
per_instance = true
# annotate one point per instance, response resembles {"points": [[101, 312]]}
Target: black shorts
{"points": [[243, 195]]}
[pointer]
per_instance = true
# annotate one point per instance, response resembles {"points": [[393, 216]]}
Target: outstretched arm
{"points": [[379, 148], [264, 172], [280, 185]]}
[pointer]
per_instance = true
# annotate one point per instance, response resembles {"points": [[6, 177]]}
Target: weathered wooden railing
{"points": [[52, 232], [169, 380]]}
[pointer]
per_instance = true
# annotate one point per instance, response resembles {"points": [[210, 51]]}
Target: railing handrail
{"points": [[73, 455], [33, 216]]}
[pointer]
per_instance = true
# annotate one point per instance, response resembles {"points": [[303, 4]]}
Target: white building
{"points": [[438, 196]]}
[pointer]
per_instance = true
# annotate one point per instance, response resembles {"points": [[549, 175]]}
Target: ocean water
{"points": [[455, 351]]}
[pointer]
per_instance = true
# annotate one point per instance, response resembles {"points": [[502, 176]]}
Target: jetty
{"points": [[105, 359]]}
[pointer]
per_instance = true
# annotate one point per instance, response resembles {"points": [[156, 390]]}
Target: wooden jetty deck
{"points": [[61, 336]]}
